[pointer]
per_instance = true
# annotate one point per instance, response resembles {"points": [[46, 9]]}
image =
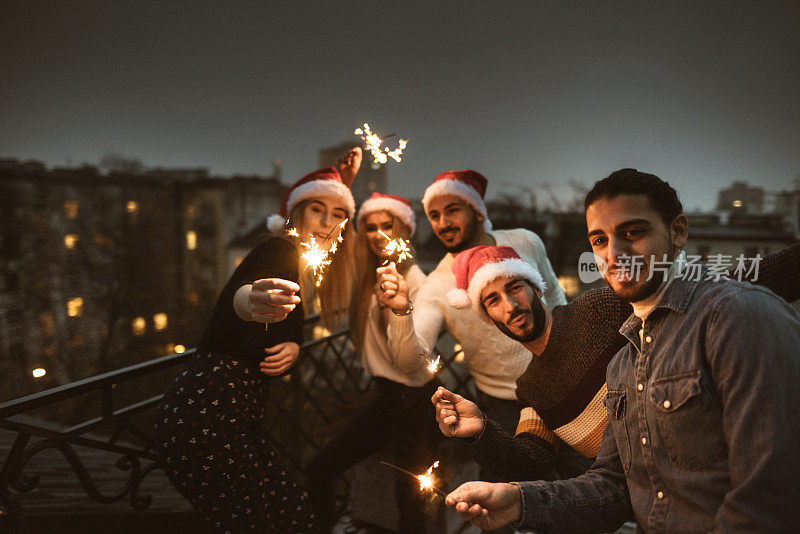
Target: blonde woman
{"points": [[399, 414], [209, 432]]}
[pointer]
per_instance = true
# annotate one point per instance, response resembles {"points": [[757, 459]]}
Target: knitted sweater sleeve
{"points": [[780, 272], [525, 456]]}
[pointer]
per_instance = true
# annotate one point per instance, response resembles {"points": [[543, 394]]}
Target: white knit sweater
{"points": [[375, 355], [493, 359]]}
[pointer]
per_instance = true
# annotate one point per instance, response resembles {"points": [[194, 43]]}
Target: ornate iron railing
{"points": [[322, 389]]}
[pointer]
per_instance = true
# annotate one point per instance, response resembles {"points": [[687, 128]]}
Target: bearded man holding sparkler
{"points": [[455, 207], [209, 435], [698, 390], [398, 414]]}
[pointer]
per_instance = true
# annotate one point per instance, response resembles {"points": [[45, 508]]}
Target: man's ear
{"points": [[679, 232]]}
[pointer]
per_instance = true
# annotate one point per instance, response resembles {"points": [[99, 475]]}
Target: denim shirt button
{"points": [[644, 441], [660, 494], [649, 339], [667, 404], [640, 387]]}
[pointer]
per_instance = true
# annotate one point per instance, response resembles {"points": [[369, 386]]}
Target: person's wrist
{"points": [[402, 313], [518, 508]]}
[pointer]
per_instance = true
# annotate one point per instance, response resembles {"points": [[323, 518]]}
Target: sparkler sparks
{"points": [[317, 257], [374, 142], [398, 246], [426, 480], [433, 365]]}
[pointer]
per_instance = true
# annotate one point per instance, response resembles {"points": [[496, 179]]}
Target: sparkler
{"points": [[426, 480], [374, 142], [317, 257], [398, 246], [433, 365]]}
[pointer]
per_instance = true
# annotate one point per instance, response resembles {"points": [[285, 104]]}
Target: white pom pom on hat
{"points": [[474, 268]]}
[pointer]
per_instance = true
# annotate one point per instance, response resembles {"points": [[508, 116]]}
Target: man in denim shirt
{"points": [[702, 402]]}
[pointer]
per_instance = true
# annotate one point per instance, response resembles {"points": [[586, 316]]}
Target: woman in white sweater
{"points": [[399, 414]]}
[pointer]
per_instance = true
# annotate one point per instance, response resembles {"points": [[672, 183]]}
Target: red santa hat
{"points": [[398, 206], [468, 185], [476, 267], [323, 182]]}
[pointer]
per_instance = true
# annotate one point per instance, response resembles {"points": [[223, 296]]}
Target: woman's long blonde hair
{"points": [[366, 278], [334, 291]]}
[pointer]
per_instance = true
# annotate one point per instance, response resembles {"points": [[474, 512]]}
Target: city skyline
{"points": [[529, 95]]}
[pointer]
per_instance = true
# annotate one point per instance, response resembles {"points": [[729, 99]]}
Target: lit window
{"points": [[190, 211], [179, 349], [194, 298], [132, 206], [38, 372], [75, 307], [160, 321], [320, 331], [569, 285], [170, 348], [138, 326], [191, 240], [70, 240], [737, 203], [71, 209]]}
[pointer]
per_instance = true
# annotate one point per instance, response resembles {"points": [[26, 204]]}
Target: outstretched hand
{"points": [[488, 506], [270, 300], [457, 416]]}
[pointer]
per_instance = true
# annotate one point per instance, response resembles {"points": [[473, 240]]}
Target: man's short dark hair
{"points": [[661, 195]]}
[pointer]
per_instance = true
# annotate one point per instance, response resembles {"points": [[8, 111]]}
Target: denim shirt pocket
{"points": [[688, 420], [616, 407]]}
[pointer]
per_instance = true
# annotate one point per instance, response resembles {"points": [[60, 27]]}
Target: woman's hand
{"points": [[392, 289], [349, 164], [281, 358], [268, 300]]}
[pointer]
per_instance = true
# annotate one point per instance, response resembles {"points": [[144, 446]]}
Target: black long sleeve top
{"points": [[227, 333]]}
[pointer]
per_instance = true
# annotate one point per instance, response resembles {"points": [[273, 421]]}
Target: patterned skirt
{"points": [[211, 443]]}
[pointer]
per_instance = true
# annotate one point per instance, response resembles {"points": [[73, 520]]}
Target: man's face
{"points": [[625, 227], [515, 308], [453, 221]]}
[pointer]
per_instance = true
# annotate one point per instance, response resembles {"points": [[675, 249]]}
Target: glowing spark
{"points": [[373, 144], [293, 232], [398, 246], [317, 257], [433, 366], [426, 480]]}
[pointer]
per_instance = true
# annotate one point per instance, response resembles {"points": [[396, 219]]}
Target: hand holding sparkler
{"points": [[392, 289], [488, 506], [268, 300], [457, 417], [349, 164]]}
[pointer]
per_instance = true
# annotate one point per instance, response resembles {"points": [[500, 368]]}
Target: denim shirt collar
{"points": [[677, 298]]}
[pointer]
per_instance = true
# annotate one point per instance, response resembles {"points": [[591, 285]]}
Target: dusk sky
{"points": [[699, 93]]}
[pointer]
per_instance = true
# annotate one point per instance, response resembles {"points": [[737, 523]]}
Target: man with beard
{"points": [[700, 398], [455, 207], [560, 398]]}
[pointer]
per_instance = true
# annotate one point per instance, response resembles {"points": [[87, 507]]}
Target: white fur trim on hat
{"points": [[276, 224], [505, 269], [458, 298], [461, 190], [395, 207], [318, 188]]}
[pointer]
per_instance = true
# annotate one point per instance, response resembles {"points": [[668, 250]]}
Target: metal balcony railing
{"points": [[305, 407]]}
